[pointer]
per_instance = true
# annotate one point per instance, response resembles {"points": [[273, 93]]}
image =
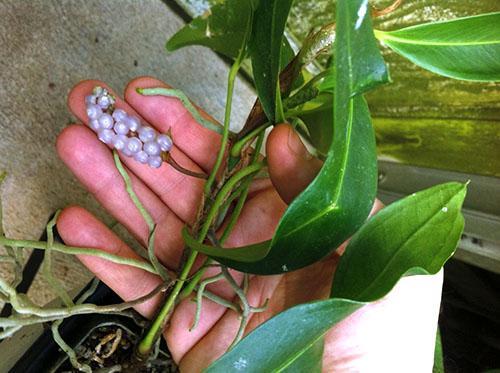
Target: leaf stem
{"points": [[230, 225], [146, 344], [238, 146], [227, 120]]}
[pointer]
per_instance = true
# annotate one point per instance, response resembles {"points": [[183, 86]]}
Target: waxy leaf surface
{"points": [[414, 235], [250, 253], [275, 345], [222, 28], [340, 198], [265, 49], [464, 48]]}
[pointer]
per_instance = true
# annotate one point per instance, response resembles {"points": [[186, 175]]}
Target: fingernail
{"points": [[296, 146]]}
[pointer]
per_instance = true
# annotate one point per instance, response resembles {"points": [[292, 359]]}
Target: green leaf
{"points": [[317, 114], [265, 49], [328, 83], [278, 343], [419, 232], [250, 253], [311, 361], [339, 200], [222, 28], [464, 48]]}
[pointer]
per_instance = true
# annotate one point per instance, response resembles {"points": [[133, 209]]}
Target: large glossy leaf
{"points": [[278, 343], [310, 361], [340, 198], [250, 253], [464, 48], [265, 49], [222, 28], [417, 234]]}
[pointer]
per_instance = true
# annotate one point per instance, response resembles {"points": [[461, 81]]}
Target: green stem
{"points": [[146, 344], [188, 289], [157, 326], [71, 250], [238, 146], [232, 221], [227, 121], [224, 192], [155, 329]]}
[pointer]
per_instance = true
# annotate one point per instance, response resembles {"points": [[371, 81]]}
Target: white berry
{"points": [[141, 157], [155, 161], [121, 128], [119, 115], [152, 148], [165, 142], [106, 121], [94, 124], [90, 100], [93, 111], [119, 142], [104, 102], [134, 145], [127, 152], [146, 134], [133, 123], [106, 135]]}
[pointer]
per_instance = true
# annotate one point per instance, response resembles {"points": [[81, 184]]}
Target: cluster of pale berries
{"points": [[125, 132]]}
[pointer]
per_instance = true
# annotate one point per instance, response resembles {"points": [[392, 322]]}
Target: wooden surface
{"points": [[48, 46]]}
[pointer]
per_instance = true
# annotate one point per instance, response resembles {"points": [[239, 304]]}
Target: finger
{"points": [[196, 141], [78, 227], [291, 166], [257, 223], [180, 192], [92, 163]]}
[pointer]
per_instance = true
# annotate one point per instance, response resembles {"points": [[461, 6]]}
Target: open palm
{"points": [[395, 334]]}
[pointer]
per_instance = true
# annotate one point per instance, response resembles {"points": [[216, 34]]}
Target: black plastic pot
{"points": [[44, 355]]}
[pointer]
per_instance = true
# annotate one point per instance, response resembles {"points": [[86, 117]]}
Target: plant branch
{"points": [[227, 121]]}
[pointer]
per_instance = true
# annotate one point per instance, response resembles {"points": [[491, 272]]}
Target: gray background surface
{"points": [[46, 47]]}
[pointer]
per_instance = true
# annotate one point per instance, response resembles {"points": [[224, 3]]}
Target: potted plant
{"points": [[225, 182]]}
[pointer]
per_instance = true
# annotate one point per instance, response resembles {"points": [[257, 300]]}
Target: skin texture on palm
{"points": [[392, 334]]}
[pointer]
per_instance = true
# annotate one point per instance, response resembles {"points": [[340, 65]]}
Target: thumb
{"points": [[291, 166]]}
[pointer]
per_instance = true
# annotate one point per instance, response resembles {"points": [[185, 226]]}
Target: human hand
{"points": [[394, 334]]}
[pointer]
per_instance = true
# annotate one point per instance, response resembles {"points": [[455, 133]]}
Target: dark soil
{"points": [[111, 349]]}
